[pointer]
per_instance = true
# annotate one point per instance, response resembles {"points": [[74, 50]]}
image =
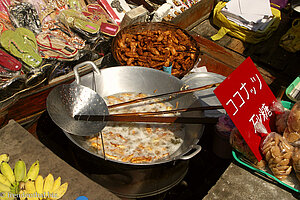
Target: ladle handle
{"points": [[157, 119], [77, 77]]}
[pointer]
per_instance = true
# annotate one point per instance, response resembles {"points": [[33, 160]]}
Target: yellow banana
{"points": [[4, 180], [7, 172], [39, 184], [30, 187], [48, 184], [33, 171], [56, 184], [4, 188], [22, 194], [59, 192], [4, 157], [20, 170], [30, 190]]}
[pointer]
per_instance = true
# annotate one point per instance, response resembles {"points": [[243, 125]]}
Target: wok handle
{"points": [[77, 78], [197, 150]]}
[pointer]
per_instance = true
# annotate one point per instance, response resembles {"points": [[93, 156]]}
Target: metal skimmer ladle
{"points": [[67, 100]]}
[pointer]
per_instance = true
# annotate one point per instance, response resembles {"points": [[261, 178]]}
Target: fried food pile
{"points": [[138, 142], [292, 131], [278, 153], [281, 148], [157, 48], [296, 162]]}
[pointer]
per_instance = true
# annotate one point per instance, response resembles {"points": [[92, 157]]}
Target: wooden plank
{"points": [[227, 57], [215, 66], [197, 13]]}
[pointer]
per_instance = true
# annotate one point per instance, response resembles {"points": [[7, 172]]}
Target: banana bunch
{"points": [[17, 182], [44, 188], [11, 179], [4, 157], [7, 179]]}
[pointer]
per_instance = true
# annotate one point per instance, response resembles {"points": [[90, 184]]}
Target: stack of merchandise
{"points": [[171, 9], [252, 14], [41, 36], [280, 148]]}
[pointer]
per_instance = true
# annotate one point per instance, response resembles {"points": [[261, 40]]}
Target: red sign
{"points": [[247, 99]]}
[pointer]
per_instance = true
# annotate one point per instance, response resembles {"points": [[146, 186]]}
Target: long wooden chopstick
{"points": [[164, 94], [156, 119], [170, 111]]}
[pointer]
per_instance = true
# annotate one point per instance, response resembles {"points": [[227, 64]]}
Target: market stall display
{"points": [[70, 32], [58, 31], [38, 40], [281, 154]]}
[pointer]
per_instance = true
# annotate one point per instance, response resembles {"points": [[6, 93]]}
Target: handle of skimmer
{"points": [[95, 68]]}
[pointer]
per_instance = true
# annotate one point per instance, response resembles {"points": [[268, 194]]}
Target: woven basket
{"points": [[154, 26]]}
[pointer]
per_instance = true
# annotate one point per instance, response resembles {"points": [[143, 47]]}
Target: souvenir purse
{"points": [[79, 23], [52, 46], [9, 63], [59, 29], [12, 79], [9, 67], [25, 15], [22, 44], [58, 42], [76, 4], [99, 16]]}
